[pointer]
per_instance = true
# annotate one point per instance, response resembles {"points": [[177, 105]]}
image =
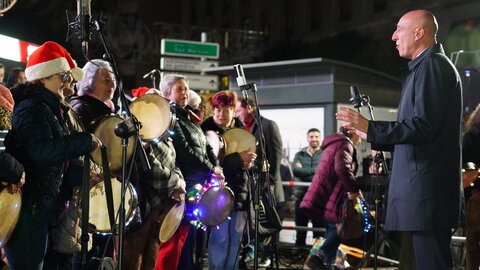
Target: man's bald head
{"points": [[416, 30], [426, 20]]}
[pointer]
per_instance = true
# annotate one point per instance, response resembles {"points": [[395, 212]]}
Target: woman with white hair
{"points": [[197, 162], [95, 92]]}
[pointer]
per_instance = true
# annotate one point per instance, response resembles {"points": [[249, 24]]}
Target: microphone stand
{"points": [[264, 169], [129, 127], [379, 160]]}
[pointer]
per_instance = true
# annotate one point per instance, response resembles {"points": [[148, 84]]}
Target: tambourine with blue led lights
{"points": [[211, 204]]}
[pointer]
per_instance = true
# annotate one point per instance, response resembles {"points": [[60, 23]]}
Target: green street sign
{"points": [[189, 48]]}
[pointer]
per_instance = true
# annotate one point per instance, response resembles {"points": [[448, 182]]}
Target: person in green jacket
{"points": [[304, 165]]}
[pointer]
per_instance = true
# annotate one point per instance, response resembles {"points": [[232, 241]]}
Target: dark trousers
{"points": [[432, 249], [302, 220]]}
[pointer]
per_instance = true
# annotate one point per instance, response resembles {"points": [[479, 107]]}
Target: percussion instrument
{"points": [[103, 128], [238, 140], [170, 219], [154, 113], [98, 217], [211, 205], [214, 205], [10, 205]]}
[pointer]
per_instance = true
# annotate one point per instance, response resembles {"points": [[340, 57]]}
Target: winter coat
{"points": [[89, 109], [236, 178], [425, 184], [273, 150], [195, 157], [39, 140], [334, 177], [306, 172]]}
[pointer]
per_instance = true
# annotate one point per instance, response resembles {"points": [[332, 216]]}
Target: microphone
{"points": [[356, 99], [150, 73], [83, 21], [125, 129], [241, 80]]}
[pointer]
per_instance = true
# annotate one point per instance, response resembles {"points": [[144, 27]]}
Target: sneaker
{"points": [[264, 262]]}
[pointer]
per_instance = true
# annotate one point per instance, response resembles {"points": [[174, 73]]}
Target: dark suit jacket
{"points": [[273, 150], [425, 184]]}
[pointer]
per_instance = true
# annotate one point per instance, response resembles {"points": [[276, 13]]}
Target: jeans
{"points": [[27, 246], [332, 241], [224, 243]]}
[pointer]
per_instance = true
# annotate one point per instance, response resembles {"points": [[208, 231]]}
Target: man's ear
{"points": [[419, 33]]}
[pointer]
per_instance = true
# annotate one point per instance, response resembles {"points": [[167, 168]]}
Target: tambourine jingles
{"points": [[10, 205]]}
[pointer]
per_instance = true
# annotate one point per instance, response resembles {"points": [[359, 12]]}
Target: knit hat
{"points": [[6, 108], [50, 59], [6, 99]]}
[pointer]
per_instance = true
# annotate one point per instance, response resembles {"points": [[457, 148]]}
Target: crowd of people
{"points": [[51, 131]]}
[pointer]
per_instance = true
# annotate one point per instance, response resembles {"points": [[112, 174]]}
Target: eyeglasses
{"points": [[65, 76]]}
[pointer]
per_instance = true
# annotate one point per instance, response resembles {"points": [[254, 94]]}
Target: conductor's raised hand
{"points": [[353, 120]]}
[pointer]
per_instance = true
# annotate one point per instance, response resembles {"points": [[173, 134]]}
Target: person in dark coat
{"points": [[224, 243], [197, 162], [333, 182], [40, 141], [246, 111], [425, 188], [304, 165], [471, 153]]}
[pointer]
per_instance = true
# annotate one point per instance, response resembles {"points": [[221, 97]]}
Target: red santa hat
{"points": [[50, 59], [140, 91]]}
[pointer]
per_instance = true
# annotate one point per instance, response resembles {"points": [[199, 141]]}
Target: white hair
{"points": [[90, 69], [194, 99], [168, 81]]}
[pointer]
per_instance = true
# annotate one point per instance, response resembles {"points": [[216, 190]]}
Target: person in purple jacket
{"points": [[334, 181]]}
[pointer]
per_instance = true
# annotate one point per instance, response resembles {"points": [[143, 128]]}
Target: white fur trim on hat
{"points": [[77, 73], [46, 69]]}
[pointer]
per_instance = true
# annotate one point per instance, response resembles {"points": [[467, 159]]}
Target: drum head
{"points": [[171, 222], [153, 112], [98, 216], [215, 206], [104, 130], [238, 140], [10, 205]]}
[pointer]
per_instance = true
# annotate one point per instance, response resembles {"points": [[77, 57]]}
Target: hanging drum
{"points": [[10, 205], [154, 113], [103, 128], [98, 215]]}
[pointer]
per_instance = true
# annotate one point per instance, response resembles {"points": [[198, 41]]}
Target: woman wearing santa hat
{"points": [[40, 141]]}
